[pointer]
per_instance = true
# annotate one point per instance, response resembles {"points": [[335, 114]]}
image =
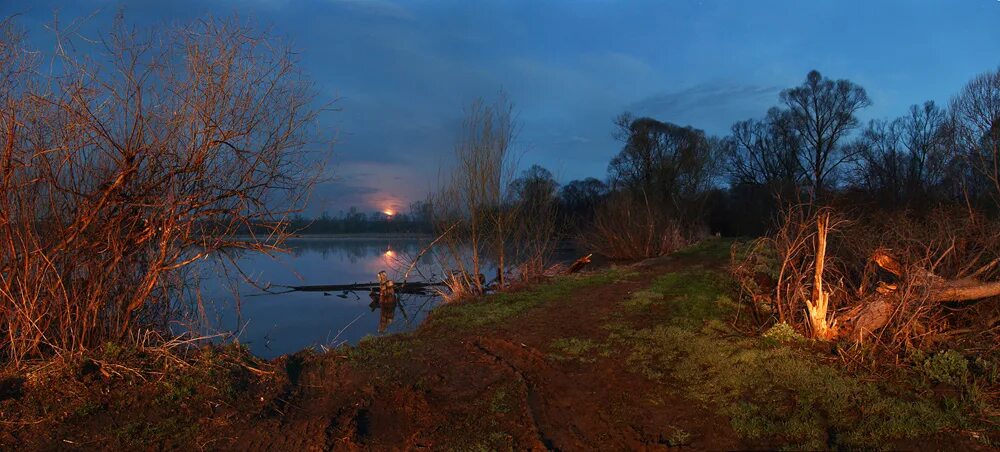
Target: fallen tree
{"points": [[877, 309], [921, 283]]}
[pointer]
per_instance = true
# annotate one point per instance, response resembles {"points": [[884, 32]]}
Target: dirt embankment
{"points": [[619, 359]]}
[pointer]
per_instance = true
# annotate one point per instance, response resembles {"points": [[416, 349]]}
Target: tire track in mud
{"points": [[531, 396]]}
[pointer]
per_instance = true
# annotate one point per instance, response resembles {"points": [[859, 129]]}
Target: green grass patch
{"points": [[691, 297], [581, 349], [772, 393], [497, 308], [712, 248]]}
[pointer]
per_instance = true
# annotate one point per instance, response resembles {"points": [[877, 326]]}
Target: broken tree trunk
{"points": [[877, 310], [386, 289], [818, 307], [579, 264]]}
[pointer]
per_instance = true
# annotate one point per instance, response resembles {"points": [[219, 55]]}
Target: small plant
{"points": [[948, 367], [678, 437], [783, 332], [988, 370]]}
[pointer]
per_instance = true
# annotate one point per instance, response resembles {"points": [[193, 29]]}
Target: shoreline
{"points": [[361, 236]]}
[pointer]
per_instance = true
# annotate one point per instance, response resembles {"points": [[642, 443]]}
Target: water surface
{"points": [[276, 324]]}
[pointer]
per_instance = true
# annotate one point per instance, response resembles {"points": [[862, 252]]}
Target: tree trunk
{"points": [[877, 310]]}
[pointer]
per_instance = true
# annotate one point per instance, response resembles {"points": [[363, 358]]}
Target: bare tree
{"points": [[766, 152], [474, 195], [926, 133], [976, 115], [672, 165], [882, 162], [824, 112], [121, 170]]}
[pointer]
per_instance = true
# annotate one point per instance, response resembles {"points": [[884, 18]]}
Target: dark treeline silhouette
{"points": [[670, 184], [354, 221], [814, 148], [898, 216]]}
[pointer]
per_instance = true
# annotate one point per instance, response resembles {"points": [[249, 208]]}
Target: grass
{"points": [[504, 306], [575, 348], [772, 393], [712, 249]]}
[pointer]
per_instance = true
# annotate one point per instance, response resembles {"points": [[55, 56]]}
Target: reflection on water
{"points": [[272, 324]]}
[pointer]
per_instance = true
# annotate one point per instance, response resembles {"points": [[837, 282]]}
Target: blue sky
{"points": [[404, 70]]}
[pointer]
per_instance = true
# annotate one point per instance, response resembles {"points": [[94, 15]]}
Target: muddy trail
{"points": [[640, 357], [496, 386]]}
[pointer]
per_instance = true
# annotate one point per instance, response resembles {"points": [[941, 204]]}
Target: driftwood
{"points": [[877, 309], [376, 288], [578, 264], [412, 287]]}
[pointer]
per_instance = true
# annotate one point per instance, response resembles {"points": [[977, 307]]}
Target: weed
{"points": [[948, 367], [678, 437], [573, 348], [783, 332]]}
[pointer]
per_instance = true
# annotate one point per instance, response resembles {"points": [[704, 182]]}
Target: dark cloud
{"points": [[704, 97], [708, 106], [404, 70]]}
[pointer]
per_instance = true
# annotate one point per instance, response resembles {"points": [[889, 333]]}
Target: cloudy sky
{"points": [[403, 71]]}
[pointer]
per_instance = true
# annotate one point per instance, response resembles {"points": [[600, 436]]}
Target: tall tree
{"points": [[579, 197], [535, 185], [882, 161], [823, 112], [766, 152], [667, 162], [976, 115], [925, 133]]}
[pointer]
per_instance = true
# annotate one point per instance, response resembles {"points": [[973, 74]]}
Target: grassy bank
{"points": [[625, 357]]}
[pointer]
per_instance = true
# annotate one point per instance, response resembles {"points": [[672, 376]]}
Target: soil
{"points": [[490, 388], [437, 400]]}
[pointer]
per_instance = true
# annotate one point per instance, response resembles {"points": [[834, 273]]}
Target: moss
{"points": [[771, 394]]}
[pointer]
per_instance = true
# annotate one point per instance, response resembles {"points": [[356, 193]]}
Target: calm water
{"points": [[276, 324]]}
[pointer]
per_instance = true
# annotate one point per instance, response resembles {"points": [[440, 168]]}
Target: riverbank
{"points": [[630, 357]]}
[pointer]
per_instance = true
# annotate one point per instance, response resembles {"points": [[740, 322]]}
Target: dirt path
{"points": [[499, 387], [634, 358]]}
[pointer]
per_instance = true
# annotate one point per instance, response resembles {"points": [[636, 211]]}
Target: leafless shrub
{"points": [[629, 226], [119, 171], [473, 196], [892, 277], [778, 273]]}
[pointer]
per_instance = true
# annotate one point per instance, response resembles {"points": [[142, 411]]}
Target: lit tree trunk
{"points": [[817, 308]]}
